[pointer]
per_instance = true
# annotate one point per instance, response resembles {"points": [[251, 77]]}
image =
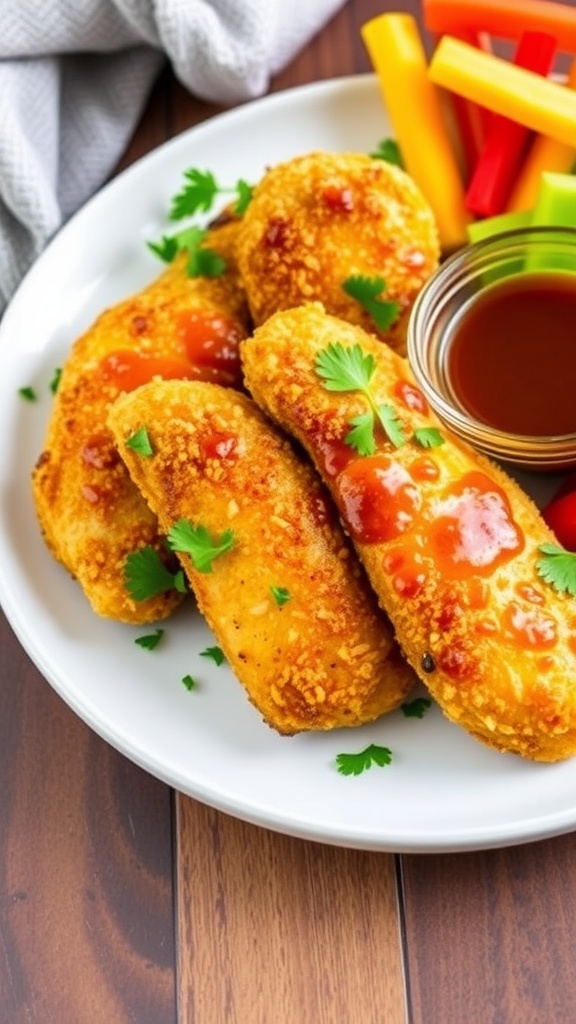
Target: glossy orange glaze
{"points": [[211, 343], [378, 498], [127, 370]]}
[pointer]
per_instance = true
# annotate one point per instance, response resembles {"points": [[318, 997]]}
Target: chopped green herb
{"points": [[202, 261], [199, 192], [189, 682], [428, 437], [350, 369], [558, 567], [281, 595], [196, 542], [150, 640], [55, 382], [388, 150], [28, 393], [215, 653], [416, 708], [366, 291], [139, 442], [355, 764], [145, 575]]}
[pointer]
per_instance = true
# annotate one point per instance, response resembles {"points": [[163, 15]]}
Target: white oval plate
{"points": [[443, 790]]}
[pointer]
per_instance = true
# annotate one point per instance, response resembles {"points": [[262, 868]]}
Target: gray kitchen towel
{"points": [[74, 79]]}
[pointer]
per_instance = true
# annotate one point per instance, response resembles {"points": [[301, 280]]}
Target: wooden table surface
{"points": [[122, 901]]}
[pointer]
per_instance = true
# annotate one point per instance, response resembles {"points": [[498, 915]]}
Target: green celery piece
{"points": [[555, 207], [478, 230]]}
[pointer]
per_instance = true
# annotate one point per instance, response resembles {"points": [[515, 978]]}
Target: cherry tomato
{"points": [[560, 514]]}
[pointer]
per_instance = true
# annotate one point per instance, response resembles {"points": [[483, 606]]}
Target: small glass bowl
{"points": [[443, 299]]}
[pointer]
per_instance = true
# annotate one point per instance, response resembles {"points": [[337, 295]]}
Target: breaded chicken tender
{"points": [[321, 218], [451, 544], [287, 600], [90, 513]]}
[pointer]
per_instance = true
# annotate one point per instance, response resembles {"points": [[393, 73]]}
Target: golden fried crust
{"points": [[322, 217], [325, 658], [89, 511], [450, 543]]}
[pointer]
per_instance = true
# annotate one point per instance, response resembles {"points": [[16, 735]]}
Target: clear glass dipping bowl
{"points": [[445, 298]]}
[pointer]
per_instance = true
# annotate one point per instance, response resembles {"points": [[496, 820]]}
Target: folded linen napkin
{"points": [[74, 79]]}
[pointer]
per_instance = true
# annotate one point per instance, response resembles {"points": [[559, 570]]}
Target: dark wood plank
{"points": [[272, 928], [490, 936], [86, 924]]}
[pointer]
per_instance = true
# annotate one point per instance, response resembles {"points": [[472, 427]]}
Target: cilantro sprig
{"points": [[281, 595], [350, 369], [367, 291], [558, 568], [196, 541], [146, 575], [356, 764], [202, 261], [201, 189], [388, 150], [197, 196]]}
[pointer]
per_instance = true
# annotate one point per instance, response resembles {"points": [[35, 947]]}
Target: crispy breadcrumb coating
{"points": [[449, 541], [320, 218], [89, 511], [325, 657]]}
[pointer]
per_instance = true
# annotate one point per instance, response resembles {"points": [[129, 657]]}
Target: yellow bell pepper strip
{"points": [[508, 141], [413, 104], [521, 95], [545, 154], [504, 18]]}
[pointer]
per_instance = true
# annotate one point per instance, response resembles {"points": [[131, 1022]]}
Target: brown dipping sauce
{"points": [[511, 358]]}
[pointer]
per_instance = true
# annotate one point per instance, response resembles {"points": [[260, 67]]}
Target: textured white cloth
{"points": [[74, 78]]}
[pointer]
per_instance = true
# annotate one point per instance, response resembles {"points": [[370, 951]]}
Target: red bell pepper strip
{"points": [[508, 141]]}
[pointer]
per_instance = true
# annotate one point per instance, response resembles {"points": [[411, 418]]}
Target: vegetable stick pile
{"points": [[490, 141]]}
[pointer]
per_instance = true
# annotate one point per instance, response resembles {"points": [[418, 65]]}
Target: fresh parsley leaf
{"points": [[416, 708], [345, 369], [198, 194], [200, 191], [281, 595], [196, 542], [150, 640], [366, 291], [392, 426], [166, 248], [355, 764], [244, 192], [145, 575], [204, 262], [428, 437], [361, 437], [28, 393], [350, 369], [558, 567], [215, 653], [55, 382], [389, 150], [189, 682], [139, 442]]}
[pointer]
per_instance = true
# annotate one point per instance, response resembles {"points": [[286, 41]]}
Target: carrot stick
{"points": [[504, 18]]}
